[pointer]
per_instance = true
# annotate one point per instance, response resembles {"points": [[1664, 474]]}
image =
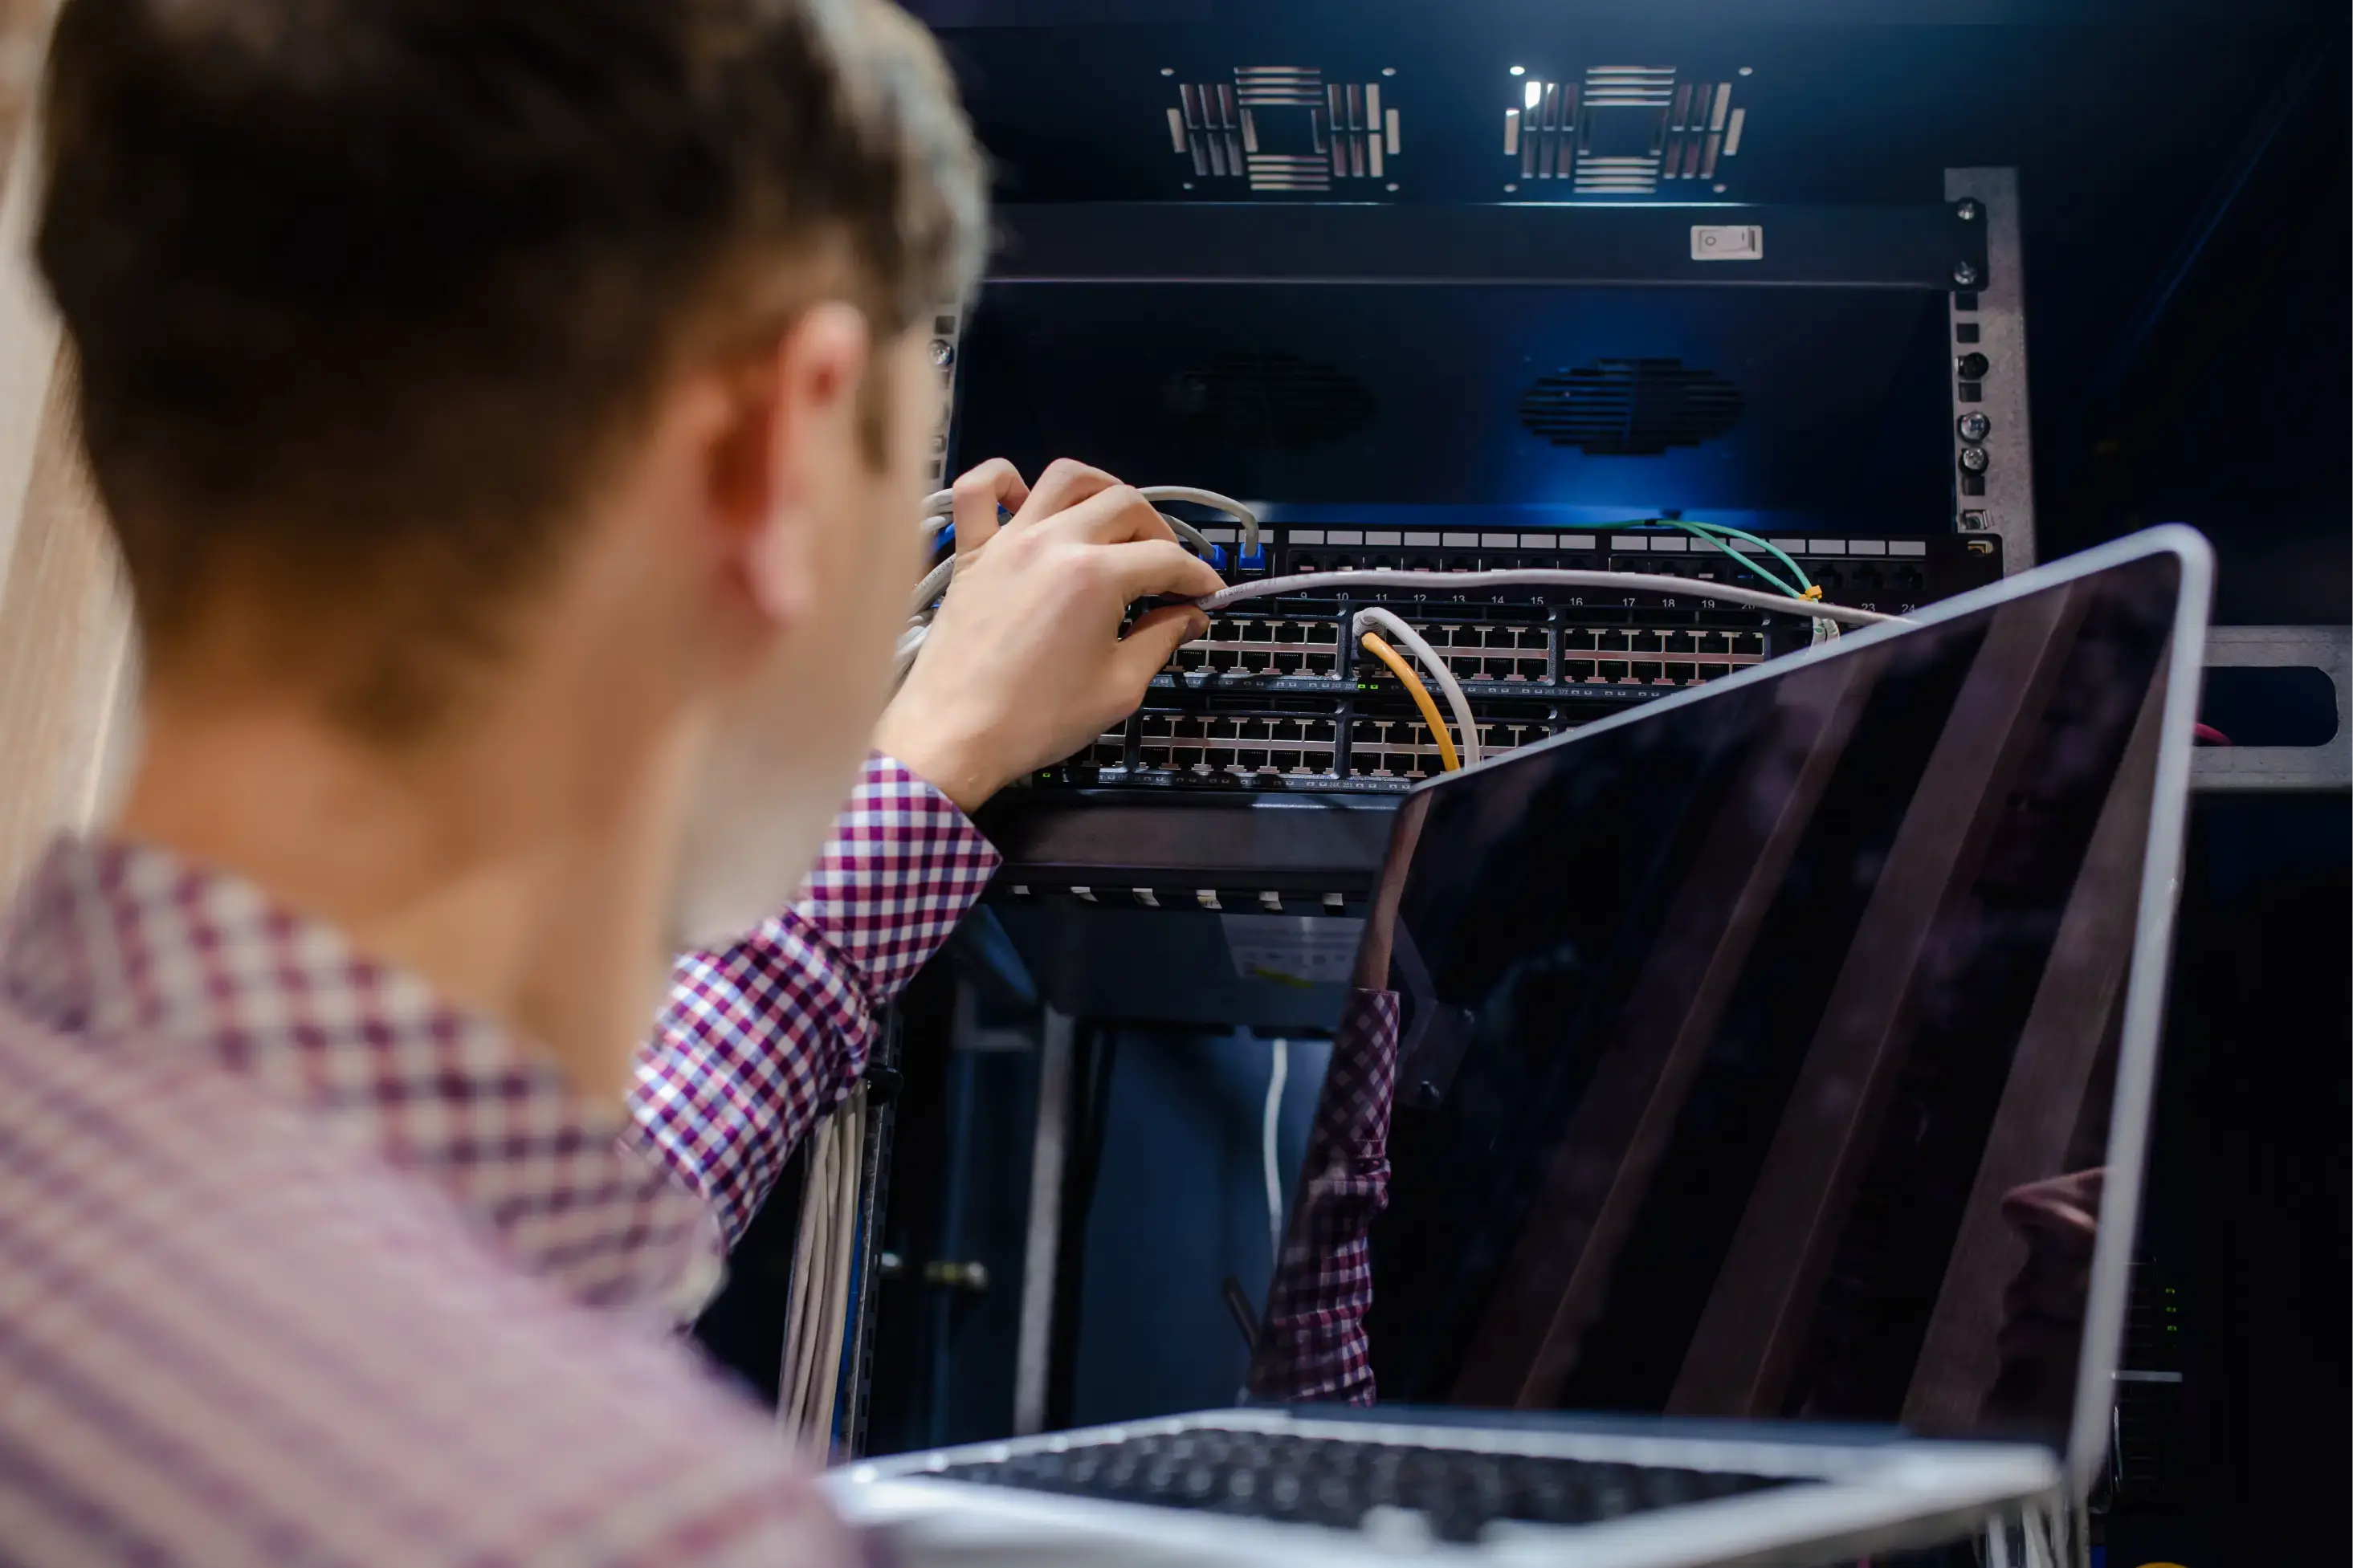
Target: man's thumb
{"points": [[1152, 641]]}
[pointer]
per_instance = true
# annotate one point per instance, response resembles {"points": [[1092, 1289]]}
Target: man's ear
{"points": [[793, 434]]}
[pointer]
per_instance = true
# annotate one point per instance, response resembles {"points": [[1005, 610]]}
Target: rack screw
{"points": [[1964, 274], [1968, 210]]}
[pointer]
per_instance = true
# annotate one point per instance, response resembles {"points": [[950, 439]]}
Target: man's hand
{"points": [[1024, 663]]}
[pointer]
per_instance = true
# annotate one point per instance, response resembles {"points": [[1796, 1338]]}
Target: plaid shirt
{"points": [[1313, 1344], [299, 1263]]}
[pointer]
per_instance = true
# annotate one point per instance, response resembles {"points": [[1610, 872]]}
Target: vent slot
{"points": [[1284, 129], [1622, 130], [1270, 401], [1630, 407]]}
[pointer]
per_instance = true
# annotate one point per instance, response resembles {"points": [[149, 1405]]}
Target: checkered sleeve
{"points": [[759, 1039], [1313, 1344]]}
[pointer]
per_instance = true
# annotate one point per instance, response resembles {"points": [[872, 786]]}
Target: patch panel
{"points": [[1270, 700]]}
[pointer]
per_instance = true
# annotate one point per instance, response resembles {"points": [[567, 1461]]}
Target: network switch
{"points": [[1273, 697]]}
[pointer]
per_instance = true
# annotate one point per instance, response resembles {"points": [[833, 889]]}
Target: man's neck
{"points": [[509, 875]]}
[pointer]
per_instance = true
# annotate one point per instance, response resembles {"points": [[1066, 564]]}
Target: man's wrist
{"points": [[959, 769]]}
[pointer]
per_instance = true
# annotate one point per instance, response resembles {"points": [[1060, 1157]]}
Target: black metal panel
{"points": [[1244, 844], [1911, 248], [1355, 396], [1157, 966], [1858, 103]]}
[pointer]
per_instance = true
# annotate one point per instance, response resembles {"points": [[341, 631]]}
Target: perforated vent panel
{"points": [[1263, 401], [1630, 407]]}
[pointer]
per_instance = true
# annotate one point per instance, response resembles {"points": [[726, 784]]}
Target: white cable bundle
{"points": [[1325, 583], [817, 1303]]}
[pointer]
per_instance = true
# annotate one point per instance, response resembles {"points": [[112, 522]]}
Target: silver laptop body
{"points": [[1848, 1450]]}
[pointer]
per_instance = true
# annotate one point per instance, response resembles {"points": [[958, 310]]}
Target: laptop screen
{"points": [[1757, 1052]]}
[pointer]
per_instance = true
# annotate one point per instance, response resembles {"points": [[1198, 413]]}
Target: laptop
{"points": [[1774, 1077]]}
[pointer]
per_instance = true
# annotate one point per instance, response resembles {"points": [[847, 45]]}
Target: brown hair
{"points": [[361, 290]]}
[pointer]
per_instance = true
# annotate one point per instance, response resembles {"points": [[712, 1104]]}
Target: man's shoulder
{"points": [[221, 1329]]}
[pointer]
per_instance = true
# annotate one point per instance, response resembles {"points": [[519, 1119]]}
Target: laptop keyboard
{"points": [[1337, 1481]]}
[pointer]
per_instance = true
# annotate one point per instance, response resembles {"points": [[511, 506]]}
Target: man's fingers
{"points": [[978, 493], [1119, 515], [1063, 485], [1150, 643], [1149, 567]]}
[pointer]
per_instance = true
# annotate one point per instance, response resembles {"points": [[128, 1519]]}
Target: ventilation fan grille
{"points": [[1284, 128], [1622, 130], [1271, 402], [1630, 407]]}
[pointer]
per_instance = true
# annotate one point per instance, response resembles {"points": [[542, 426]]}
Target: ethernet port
{"points": [[1679, 642], [1714, 671], [1644, 642], [1906, 580], [1714, 642], [1750, 643], [1290, 631], [1288, 663], [1224, 659], [1578, 639], [1220, 758], [1192, 655], [1252, 729], [1867, 580], [1610, 642], [1250, 758], [1283, 760], [1648, 670], [1612, 669], [1530, 638], [1533, 671], [1828, 579], [1185, 756], [1576, 670], [1304, 563]]}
